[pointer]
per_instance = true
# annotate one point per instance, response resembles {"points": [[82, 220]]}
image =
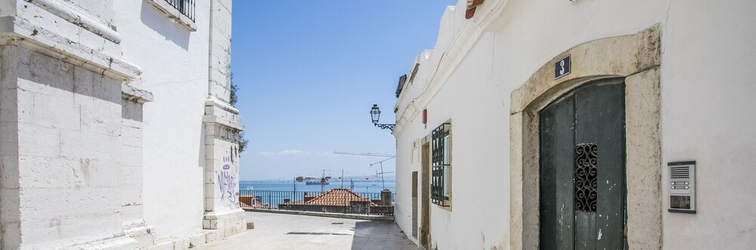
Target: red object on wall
{"points": [[425, 116], [471, 5]]}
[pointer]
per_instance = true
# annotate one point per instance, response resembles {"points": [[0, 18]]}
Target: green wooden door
{"points": [[582, 169]]}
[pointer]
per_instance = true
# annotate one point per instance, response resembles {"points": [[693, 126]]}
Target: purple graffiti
{"points": [[227, 185]]}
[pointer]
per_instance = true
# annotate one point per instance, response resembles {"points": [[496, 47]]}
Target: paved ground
{"points": [[282, 231]]}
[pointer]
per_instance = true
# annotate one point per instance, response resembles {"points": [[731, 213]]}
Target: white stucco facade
{"points": [[487, 75], [115, 125]]}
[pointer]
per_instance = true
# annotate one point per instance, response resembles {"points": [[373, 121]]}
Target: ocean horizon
{"points": [[361, 186]]}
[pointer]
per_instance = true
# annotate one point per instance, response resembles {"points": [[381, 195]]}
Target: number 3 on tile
{"points": [[562, 67]]}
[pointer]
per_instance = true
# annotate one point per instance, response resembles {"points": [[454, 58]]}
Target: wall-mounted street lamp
{"points": [[375, 114]]}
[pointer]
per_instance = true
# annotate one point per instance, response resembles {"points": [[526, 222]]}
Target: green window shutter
{"points": [[440, 165]]}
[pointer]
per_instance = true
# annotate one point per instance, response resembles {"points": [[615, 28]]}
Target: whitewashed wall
{"points": [[707, 116], [184, 161], [173, 133], [705, 99]]}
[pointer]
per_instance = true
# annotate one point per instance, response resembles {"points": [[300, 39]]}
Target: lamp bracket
{"points": [[386, 126]]}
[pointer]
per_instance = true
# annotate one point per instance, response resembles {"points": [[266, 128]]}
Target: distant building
{"points": [[581, 125], [252, 201], [115, 123]]}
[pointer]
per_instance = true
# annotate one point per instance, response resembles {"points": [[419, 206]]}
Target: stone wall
{"points": [[76, 133], [74, 183]]}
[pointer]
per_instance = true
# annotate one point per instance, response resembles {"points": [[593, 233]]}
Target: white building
{"points": [[115, 123], [656, 95]]}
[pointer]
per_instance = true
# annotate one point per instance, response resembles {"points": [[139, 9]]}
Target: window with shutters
{"points": [[441, 165]]}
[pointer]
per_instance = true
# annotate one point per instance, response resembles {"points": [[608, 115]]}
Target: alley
{"points": [[282, 231]]}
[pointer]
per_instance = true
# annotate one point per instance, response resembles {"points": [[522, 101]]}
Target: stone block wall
{"points": [[72, 125], [72, 165]]}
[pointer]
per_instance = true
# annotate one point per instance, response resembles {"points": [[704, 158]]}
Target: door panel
{"points": [[600, 119], [585, 230], [557, 125], [582, 183]]}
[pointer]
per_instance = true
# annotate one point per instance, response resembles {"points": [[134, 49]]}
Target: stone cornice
{"points": [[219, 112], [135, 94], [16, 30], [212, 101], [487, 13], [457, 50], [77, 18], [460, 46]]}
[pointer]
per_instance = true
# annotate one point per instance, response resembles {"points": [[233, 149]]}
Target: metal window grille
{"points": [[441, 165], [586, 177], [186, 7]]}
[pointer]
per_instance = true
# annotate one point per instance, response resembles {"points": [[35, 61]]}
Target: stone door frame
{"points": [[635, 58], [425, 175]]}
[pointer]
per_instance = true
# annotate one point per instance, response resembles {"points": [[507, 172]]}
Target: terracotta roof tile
{"points": [[338, 197]]}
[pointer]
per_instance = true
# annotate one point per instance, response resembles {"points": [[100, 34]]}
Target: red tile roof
{"points": [[338, 197]]}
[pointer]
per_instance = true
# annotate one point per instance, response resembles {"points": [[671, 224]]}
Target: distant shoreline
{"points": [[361, 186], [331, 181]]}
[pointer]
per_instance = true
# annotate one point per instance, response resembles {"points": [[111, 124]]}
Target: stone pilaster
{"points": [[221, 127], [222, 211]]}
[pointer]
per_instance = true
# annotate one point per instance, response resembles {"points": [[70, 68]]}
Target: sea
{"points": [[362, 186]]}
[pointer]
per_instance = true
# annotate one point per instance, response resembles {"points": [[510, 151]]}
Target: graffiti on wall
{"points": [[227, 182]]}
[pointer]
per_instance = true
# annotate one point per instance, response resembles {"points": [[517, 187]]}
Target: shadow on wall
{"points": [[44, 70], [132, 111], [163, 25], [201, 161]]}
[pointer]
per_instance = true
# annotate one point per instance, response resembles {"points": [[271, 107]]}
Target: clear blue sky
{"points": [[309, 72]]}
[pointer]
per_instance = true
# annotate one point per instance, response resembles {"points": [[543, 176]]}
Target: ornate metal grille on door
{"points": [[586, 177]]}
